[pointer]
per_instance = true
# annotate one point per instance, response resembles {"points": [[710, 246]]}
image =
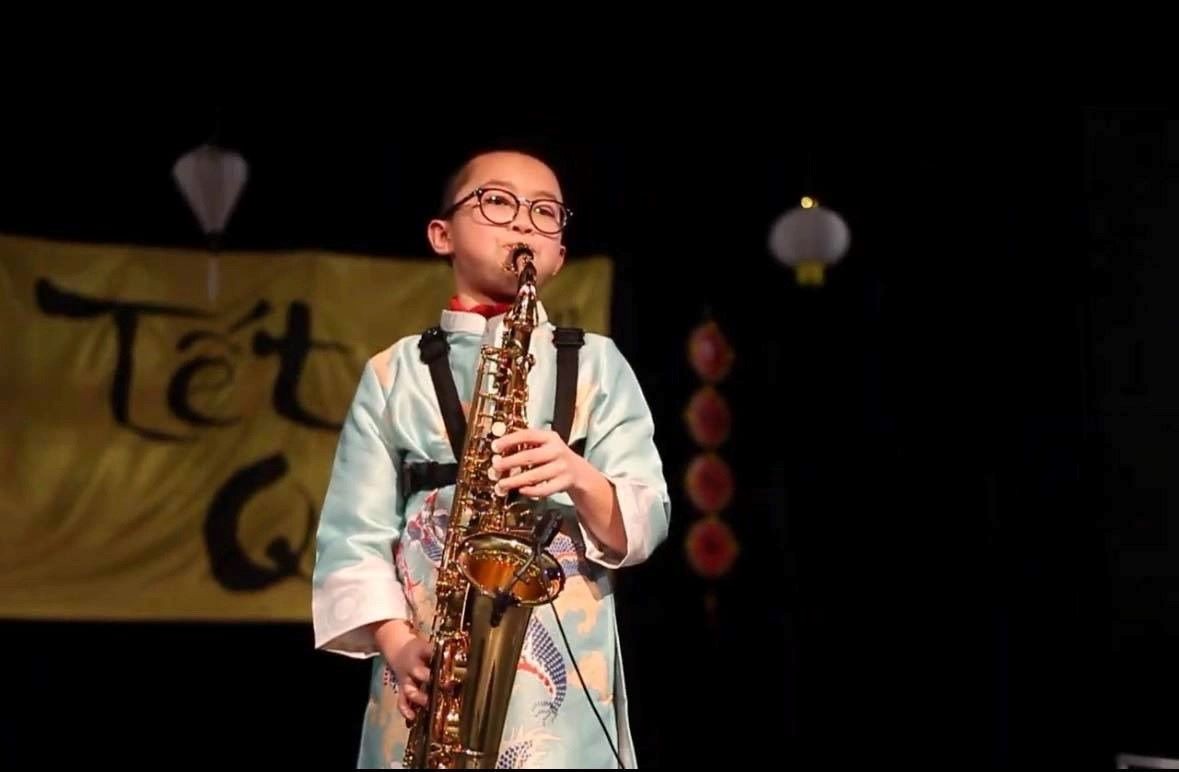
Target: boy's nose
{"points": [[523, 221]]}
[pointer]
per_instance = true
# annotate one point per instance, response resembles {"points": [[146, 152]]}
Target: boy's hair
{"points": [[461, 174], [453, 184]]}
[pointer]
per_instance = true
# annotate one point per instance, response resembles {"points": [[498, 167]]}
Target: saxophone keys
{"points": [[499, 428]]}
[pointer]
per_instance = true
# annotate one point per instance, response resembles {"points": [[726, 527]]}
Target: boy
{"points": [[382, 528]]}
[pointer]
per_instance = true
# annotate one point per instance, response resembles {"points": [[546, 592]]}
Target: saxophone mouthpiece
{"points": [[520, 255]]}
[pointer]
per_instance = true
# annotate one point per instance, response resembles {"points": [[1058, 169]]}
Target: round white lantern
{"points": [[809, 238], [211, 179]]}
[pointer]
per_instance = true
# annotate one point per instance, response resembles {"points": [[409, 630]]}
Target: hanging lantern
{"points": [[709, 352], [708, 417], [809, 238], [711, 548], [709, 482], [211, 179]]}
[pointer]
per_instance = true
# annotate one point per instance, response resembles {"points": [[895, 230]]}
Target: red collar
{"points": [[486, 310]]}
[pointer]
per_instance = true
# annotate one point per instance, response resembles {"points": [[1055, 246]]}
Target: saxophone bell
{"points": [[548, 524]]}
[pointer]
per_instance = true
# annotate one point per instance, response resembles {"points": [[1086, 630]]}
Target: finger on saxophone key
{"points": [[403, 703], [416, 695]]}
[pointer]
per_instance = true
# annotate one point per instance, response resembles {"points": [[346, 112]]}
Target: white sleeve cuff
{"points": [[645, 519], [351, 599]]}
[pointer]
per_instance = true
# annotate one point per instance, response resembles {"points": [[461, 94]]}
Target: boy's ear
{"points": [[438, 234], [560, 261]]}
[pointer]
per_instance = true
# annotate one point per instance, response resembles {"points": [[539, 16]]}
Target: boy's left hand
{"points": [[556, 468]]}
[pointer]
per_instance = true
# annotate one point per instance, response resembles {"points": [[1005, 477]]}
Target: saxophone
{"points": [[495, 566]]}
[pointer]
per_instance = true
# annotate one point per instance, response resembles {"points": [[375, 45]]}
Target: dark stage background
{"points": [[955, 461]]}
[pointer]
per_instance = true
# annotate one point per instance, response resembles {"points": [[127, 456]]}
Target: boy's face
{"points": [[520, 203]]}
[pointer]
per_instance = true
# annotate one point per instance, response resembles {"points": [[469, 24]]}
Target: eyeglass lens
{"points": [[500, 207]]}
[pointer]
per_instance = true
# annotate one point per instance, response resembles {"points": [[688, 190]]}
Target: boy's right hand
{"points": [[408, 655]]}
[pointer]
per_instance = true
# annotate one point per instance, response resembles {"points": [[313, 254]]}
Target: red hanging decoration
{"points": [[708, 418], [710, 547], [709, 483], [709, 353]]}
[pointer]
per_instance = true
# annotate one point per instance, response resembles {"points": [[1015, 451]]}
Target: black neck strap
{"points": [[568, 341], [434, 348]]}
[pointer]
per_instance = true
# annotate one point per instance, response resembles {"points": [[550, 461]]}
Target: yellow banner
{"points": [[164, 455]]}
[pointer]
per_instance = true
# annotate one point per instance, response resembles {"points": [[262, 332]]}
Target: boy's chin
{"points": [[502, 288]]}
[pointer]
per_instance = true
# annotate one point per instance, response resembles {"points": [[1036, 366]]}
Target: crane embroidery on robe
{"points": [[524, 750], [428, 528], [565, 551], [543, 659]]}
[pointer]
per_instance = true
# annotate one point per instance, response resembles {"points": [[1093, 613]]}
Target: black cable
{"points": [[585, 688]]}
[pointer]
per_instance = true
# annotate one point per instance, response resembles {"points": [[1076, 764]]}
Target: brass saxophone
{"points": [[495, 566]]}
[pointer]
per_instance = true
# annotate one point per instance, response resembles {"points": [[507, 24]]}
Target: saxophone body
{"points": [[495, 567]]}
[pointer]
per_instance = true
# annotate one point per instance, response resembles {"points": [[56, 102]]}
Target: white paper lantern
{"points": [[809, 238], [211, 179]]}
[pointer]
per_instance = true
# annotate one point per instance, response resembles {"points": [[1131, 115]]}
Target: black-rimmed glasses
{"points": [[501, 206]]}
